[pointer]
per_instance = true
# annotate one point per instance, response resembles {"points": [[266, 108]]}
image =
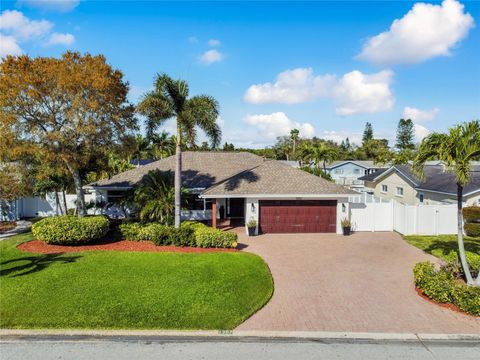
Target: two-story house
{"points": [[349, 172]]}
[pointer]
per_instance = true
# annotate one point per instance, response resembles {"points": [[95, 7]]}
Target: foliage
{"points": [[130, 231], [440, 285], [367, 133], [345, 222], [471, 214], [207, 237], [472, 229], [129, 290], [252, 223], [70, 230], [65, 111], [13, 185], [317, 172], [318, 154], [405, 135]]}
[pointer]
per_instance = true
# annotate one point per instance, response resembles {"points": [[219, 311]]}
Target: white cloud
{"points": [[339, 136], [14, 23], [418, 115], [291, 87], [9, 46], [270, 126], [61, 39], [426, 31], [50, 5], [214, 42], [211, 56], [420, 132], [358, 93]]}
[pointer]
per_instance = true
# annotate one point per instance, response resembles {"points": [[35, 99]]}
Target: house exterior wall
{"points": [[347, 174], [392, 181]]}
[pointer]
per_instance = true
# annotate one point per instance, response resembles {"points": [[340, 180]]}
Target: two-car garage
{"points": [[297, 216]]}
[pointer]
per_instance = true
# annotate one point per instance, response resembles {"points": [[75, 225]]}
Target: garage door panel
{"points": [[297, 216]]}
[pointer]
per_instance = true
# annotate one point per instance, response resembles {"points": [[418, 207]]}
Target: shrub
{"points": [[157, 233], [441, 286], [207, 237], [70, 230], [454, 265], [193, 224], [472, 229], [183, 236], [471, 214], [130, 231]]}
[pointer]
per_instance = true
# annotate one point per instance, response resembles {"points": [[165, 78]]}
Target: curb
{"points": [[238, 335]]}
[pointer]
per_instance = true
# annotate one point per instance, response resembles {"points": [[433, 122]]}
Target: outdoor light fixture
{"points": [[344, 208], [253, 208]]}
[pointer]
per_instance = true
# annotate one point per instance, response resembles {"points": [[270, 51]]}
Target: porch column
{"points": [[214, 213]]}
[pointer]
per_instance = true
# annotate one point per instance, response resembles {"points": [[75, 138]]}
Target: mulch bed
{"points": [[39, 247], [7, 225], [444, 305]]}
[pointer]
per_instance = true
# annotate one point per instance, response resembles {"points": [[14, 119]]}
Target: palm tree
{"points": [[456, 149], [162, 145], [294, 135], [318, 153], [142, 147], [169, 99]]}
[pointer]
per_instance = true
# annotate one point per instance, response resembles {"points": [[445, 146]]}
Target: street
{"points": [[46, 348]]}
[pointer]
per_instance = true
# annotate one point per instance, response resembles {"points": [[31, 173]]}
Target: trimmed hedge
{"points": [[472, 229], [70, 230], [471, 214], [190, 233], [440, 285]]}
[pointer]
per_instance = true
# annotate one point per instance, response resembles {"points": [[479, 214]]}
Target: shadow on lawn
{"points": [[447, 246], [34, 264]]}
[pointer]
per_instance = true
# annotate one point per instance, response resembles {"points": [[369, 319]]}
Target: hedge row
{"points": [[471, 214], [189, 234], [440, 285], [472, 229], [70, 230]]}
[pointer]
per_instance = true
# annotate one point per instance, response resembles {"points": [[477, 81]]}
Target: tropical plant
{"points": [[170, 99], [294, 135], [457, 149], [163, 145], [318, 154]]}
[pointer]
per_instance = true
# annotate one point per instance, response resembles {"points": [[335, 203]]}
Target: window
{"points": [[384, 188], [356, 171], [399, 191], [421, 197], [365, 171], [338, 171], [114, 195]]}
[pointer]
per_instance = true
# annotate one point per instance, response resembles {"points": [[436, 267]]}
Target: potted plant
{"points": [[251, 226], [346, 226]]}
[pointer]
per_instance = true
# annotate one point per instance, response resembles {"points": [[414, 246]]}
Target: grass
{"points": [[442, 245], [129, 290]]}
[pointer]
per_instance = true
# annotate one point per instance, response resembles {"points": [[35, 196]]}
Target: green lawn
{"points": [[441, 245], [129, 290]]}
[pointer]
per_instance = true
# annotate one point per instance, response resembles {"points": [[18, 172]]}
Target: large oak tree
{"points": [[66, 110]]}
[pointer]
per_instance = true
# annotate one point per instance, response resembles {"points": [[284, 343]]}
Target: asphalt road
{"points": [[173, 349]]}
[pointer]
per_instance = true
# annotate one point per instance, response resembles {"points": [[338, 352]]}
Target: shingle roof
{"points": [[368, 164], [435, 179], [372, 176], [274, 177], [199, 169]]}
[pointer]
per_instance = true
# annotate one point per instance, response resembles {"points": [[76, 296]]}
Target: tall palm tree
{"points": [[169, 99], [162, 145], [142, 146], [294, 135], [456, 149], [318, 154]]}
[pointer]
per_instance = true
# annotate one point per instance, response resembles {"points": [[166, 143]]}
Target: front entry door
{"points": [[236, 208]]}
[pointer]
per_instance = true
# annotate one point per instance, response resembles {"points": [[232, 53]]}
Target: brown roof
{"points": [[199, 169], [275, 178]]}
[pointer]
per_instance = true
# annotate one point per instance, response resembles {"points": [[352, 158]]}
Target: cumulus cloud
{"points": [[214, 42], [418, 115], [353, 93], [339, 136], [61, 39], [426, 31], [211, 56], [16, 28], [358, 93], [50, 5], [271, 126], [420, 132]]}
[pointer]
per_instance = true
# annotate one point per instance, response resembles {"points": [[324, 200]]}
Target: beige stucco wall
{"points": [[393, 180]]}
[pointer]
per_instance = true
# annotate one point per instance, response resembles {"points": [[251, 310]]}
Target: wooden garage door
{"points": [[298, 216]]}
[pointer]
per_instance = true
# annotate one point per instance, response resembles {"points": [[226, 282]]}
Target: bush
{"points": [[471, 214], [472, 229], [441, 286], [184, 236], [454, 265], [130, 231], [70, 230], [207, 237], [157, 233]]}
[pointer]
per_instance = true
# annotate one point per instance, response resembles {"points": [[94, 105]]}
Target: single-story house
{"points": [[438, 186], [348, 172], [242, 186]]}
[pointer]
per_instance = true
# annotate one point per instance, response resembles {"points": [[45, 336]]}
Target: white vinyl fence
{"points": [[406, 219]]}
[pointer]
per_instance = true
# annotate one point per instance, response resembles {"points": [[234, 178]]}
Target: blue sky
{"points": [[323, 67]]}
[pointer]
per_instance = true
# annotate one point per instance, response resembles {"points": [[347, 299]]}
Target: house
{"points": [[438, 186], [348, 172], [241, 186]]}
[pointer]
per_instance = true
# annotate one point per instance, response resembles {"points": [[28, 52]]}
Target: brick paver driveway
{"points": [[361, 283]]}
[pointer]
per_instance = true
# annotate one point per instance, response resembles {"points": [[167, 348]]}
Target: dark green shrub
{"points": [[184, 236], [70, 230], [207, 237], [159, 234], [472, 229], [471, 214], [130, 231]]}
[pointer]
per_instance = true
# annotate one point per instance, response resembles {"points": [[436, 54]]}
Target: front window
{"points": [[338, 171], [384, 188], [113, 196], [399, 191]]}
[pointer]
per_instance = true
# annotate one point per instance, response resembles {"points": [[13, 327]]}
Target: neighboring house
{"points": [[438, 186], [348, 172], [244, 186], [141, 162]]}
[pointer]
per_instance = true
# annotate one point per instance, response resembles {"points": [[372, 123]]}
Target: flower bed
{"points": [[7, 225]]}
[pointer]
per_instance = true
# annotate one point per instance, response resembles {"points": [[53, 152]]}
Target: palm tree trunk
{"points": [[80, 202], [57, 204], [461, 246], [64, 202], [178, 178]]}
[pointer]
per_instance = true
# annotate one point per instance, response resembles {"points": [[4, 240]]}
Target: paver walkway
{"points": [[22, 226], [360, 283]]}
